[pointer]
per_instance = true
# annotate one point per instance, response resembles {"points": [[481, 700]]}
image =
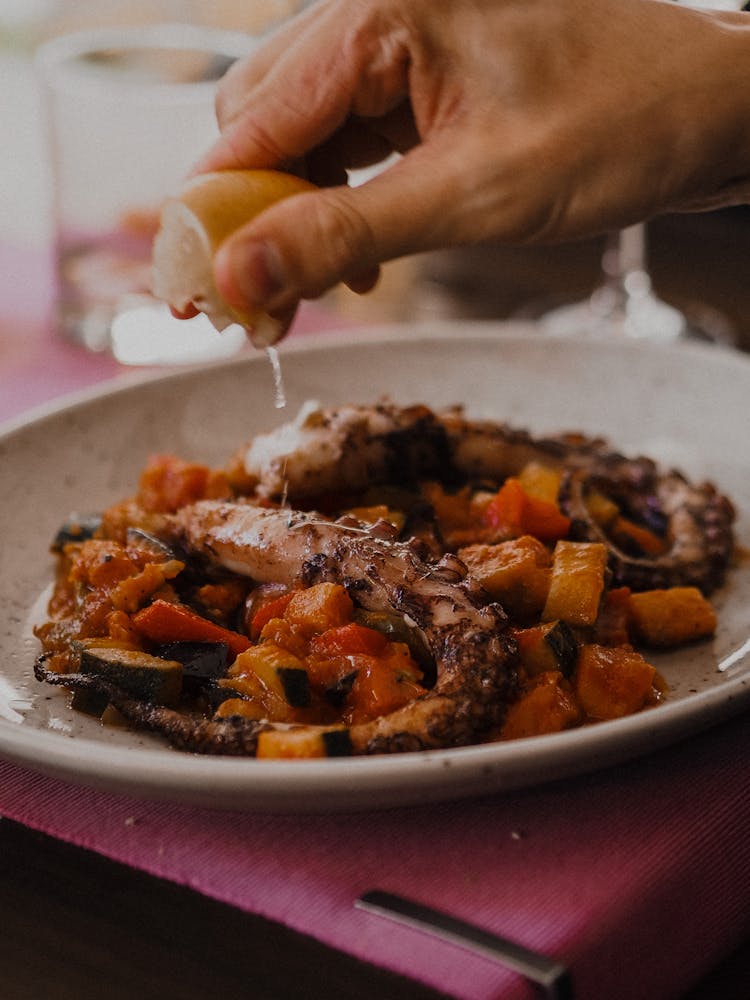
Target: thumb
{"points": [[304, 245]]}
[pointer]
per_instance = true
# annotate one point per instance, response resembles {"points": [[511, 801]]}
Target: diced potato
{"points": [[548, 707], [672, 617], [325, 605], [540, 481], [271, 676], [612, 682], [515, 573], [577, 583]]}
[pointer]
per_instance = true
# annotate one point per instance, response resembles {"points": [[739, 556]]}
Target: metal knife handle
{"points": [[552, 976]]}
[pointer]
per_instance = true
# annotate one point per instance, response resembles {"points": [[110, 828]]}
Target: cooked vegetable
{"points": [[146, 677], [549, 706], [208, 611], [77, 528], [671, 617], [306, 741], [320, 607], [397, 629], [164, 622], [273, 676], [513, 512], [550, 646], [577, 583], [201, 661], [269, 609], [612, 682], [516, 573]]}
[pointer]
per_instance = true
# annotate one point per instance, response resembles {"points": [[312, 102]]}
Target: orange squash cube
{"points": [[613, 681], [671, 617], [515, 573], [548, 707], [322, 606]]}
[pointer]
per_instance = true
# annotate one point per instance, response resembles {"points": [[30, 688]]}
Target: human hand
{"points": [[521, 122]]}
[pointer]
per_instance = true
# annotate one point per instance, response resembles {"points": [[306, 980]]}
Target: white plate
{"points": [[685, 406]]}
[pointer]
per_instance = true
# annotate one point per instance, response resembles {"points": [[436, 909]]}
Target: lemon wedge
{"points": [[192, 227]]}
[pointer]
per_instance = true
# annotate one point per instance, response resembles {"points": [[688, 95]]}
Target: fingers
{"points": [[304, 245], [301, 89]]}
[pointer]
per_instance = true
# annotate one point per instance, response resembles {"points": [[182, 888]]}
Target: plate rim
{"points": [[60, 756]]}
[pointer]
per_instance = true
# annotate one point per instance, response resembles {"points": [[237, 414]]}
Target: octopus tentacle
{"points": [[231, 737], [465, 634], [349, 448]]}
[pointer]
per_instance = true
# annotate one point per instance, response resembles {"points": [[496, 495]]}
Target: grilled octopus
{"points": [[464, 634], [475, 676], [347, 449], [351, 447]]}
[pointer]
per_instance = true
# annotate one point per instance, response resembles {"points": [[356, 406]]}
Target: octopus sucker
{"points": [[474, 658], [353, 447]]}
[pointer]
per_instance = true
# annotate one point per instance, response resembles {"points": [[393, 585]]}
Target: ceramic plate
{"points": [[683, 406]]}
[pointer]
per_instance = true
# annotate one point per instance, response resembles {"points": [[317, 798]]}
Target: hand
{"points": [[520, 121]]}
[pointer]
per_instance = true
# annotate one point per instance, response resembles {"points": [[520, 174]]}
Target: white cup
{"points": [[129, 111]]}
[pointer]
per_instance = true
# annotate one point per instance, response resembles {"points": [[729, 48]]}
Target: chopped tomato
{"points": [[165, 622], [272, 608], [348, 640], [514, 513], [168, 483]]}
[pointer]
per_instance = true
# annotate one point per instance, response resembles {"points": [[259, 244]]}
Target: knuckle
{"points": [[344, 243]]}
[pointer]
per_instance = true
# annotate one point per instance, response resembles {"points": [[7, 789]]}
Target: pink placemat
{"points": [[637, 878]]}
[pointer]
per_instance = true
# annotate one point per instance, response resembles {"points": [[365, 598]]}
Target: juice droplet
{"points": [[279, 400]]}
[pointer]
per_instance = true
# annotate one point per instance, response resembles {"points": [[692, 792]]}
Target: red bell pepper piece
{"points": [[165, 622]]}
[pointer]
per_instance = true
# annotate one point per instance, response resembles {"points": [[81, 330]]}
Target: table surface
{"points": [[78, 925]]}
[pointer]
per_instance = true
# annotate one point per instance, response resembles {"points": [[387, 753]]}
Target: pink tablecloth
{"points": [[637, 878]]}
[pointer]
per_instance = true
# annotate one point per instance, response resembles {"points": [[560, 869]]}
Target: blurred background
{"points": [[697, 262]]}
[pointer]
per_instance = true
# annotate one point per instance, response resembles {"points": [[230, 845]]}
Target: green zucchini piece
{"points": [[145, 677], [337, 743], [89, 702], [78, 528], [395, 627], [296, 684]]}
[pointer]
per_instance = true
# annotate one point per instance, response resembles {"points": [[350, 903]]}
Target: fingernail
{"points": [[249, 274]]}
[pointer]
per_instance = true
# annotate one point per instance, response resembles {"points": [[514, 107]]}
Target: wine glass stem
{"points": [[624, 264]]}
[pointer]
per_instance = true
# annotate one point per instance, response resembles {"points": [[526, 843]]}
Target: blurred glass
{"points": [[128, 110]]}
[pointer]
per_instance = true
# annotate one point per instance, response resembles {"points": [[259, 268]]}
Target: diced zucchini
{"points": [[395, 628], [337, 693], [78, 528], [305, 741], [89, 702], [296, 684], [145, 677], [547, 647], [277, 671], [202, 660]]}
